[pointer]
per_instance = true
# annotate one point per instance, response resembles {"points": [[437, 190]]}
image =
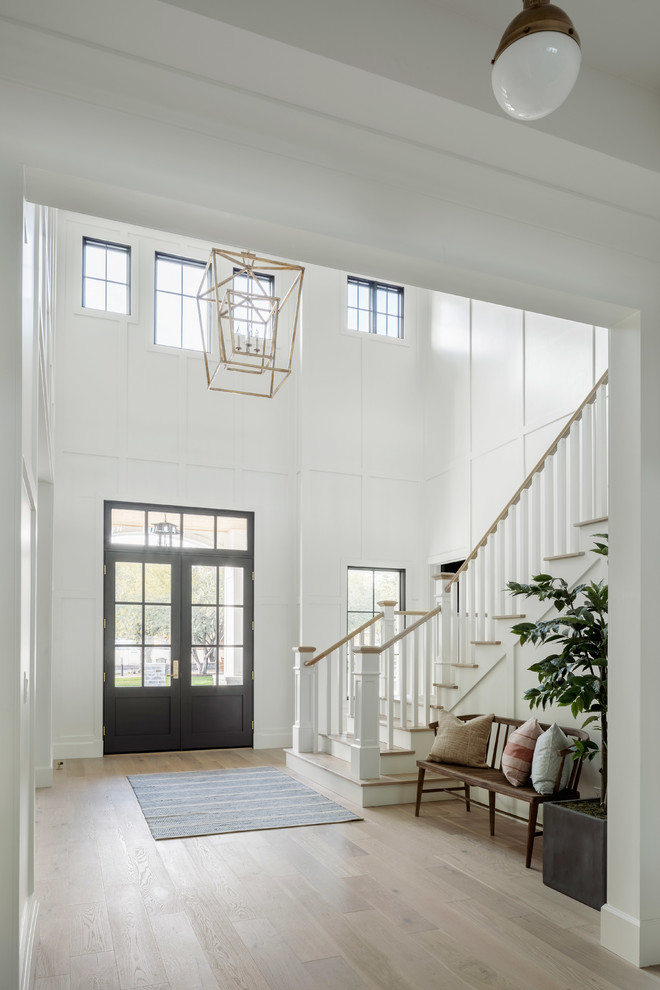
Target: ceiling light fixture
{"points": [[255, 304], [537, 61]]}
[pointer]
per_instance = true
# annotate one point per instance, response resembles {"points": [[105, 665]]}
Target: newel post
{"points": [[365, 751], [304, 726], [443, 658]]}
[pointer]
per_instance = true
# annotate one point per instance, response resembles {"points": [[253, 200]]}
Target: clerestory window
{"points": [[374, 307], [106, 276]]}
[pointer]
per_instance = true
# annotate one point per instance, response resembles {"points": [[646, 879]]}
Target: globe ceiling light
{"points": [[537, 61]]}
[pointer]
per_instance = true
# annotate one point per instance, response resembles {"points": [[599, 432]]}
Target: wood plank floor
{"points": [[388, 903]]}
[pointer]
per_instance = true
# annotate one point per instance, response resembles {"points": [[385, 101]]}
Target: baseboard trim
{"points": [[272, 739], [43, 777], [69, 750], [28, 933], [635, 940]]}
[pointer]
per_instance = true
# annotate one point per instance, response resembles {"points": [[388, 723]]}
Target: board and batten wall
{"points": [[500, 384], [330, 466]]}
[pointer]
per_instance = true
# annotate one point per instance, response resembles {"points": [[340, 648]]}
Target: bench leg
{"points": [[531, 832], [491, 811], [467, 797], [420, 786]]}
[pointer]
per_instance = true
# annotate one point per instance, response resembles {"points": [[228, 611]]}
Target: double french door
{"points": [[178, 650]]}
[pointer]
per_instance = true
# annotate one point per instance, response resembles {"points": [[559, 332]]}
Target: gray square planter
{"points": [[575, 854]]}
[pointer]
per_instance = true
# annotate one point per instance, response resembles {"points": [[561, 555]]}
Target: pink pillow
{"points": [[518, 752]]}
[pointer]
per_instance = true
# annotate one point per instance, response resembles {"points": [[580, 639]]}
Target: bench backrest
{"points": [[499, 734]]}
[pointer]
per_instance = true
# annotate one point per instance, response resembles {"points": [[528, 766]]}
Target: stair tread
{"points": [[520, 615], [404, 728], [565, 556], [451, 686], [592, 522], [485, 642], [349, 738], [470, 666]]}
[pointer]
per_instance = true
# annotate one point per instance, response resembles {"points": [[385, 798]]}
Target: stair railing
{"points": [[566, 487], [368, 678], [328, 715]]}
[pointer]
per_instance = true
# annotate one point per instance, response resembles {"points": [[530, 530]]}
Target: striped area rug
{"points": [[209, 802]]}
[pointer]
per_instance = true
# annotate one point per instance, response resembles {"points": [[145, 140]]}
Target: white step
{"points": [[330, 772]]}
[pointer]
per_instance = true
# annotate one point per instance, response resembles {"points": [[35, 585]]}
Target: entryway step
{"points": [[334, 774], [348, 739]]}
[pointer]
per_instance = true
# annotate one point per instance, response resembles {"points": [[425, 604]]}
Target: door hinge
{"points": [[253, 575], [105, 570], [104, 622], [104, 677], [104, 732], [252, 675], [253, 725], [253, 625]]}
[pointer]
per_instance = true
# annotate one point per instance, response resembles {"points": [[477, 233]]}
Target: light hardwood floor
{"points": [[391, 902]]}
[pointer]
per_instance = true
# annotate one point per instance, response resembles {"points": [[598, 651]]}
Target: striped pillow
{"points": [[519, 751]]}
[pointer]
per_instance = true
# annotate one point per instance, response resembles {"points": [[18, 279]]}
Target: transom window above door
{"points": [[136, 525]]}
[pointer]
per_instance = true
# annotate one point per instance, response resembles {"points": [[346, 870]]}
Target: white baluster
{"points": [[587, 464], [305, 728], [491, 595], [600, 453], [522, 518], [512, 544], [328, 695], [548, 508], [341, 689], [351, 669], [480, 625], [404, 647], [389, 667], [471, 609], [463, 653], [414, 689], [454, 622], [574, 485], [535, 525], [500, 569], [561, 496]]}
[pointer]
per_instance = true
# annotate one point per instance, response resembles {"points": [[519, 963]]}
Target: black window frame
{"points": [[374, 287], [401, 571], [180, 511], [192, 263], [113, 246]]}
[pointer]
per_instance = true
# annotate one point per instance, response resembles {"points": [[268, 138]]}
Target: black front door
{"points": [[178, 647]]}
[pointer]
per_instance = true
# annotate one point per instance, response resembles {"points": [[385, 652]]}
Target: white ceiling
{"points": [[619, 37]]}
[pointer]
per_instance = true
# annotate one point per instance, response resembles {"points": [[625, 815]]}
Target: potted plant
{"points": [[573, 676]]}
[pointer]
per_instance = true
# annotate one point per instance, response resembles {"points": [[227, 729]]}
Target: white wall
{"points": [[328, 466], [500, 384]]}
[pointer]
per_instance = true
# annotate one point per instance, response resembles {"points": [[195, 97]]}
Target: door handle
{"points": [[175, 670]]}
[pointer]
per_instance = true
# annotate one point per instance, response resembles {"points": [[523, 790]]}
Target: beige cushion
{"points": [[465, 743], [519, 751], [547, 761]]}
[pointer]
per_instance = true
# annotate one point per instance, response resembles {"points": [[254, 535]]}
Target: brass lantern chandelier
{"points": [[254, 309]]}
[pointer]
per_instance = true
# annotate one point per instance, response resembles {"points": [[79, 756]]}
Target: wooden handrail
{"points": [[341, 642], [405, 632], [530, 477]]}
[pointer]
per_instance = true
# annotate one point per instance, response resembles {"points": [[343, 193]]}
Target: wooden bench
{"points": [[492, 779]]}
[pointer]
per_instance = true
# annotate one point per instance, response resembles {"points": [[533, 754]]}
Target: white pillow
{"points": [[546, 760]]}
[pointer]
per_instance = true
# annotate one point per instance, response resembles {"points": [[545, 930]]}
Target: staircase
{"points": [[364, 704]]}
